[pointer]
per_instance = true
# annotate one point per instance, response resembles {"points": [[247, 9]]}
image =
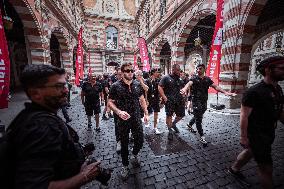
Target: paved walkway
{"points": [[182, 163]]}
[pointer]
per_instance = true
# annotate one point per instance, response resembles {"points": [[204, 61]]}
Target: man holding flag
{"points": [[199, 85]]}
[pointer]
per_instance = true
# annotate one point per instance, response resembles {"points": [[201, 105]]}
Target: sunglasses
{"points": [[128, 71]]}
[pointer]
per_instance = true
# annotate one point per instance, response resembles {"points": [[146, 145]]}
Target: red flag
{"points": [[135, 66], [213, 68], [144, 54], [4, 67], [79, 60]]}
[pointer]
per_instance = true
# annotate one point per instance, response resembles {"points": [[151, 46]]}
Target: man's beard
{"points": [[56, 102], [128, 78]]}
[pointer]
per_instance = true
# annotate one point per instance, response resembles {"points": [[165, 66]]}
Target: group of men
{"points": [[43, 144]]}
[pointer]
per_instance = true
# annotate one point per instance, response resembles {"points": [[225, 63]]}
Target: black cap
{"points": [[266, 62]]}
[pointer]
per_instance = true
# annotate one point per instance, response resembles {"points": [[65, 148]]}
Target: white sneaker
{"points": [[202, 140], [124, 172], [118, 146], [147, 125], [157, 132]]}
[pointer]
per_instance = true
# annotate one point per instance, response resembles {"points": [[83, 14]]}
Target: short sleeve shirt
{"points": [[172, 85], [153, 92], [92, 93], [199, 88], [127, 97], [266, 102]]}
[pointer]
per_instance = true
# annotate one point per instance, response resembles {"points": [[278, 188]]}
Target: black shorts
{"points": [[176, 107], [92, 109], [154, 106], [261, 148]]}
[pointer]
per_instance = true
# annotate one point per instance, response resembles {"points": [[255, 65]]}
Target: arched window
{"points": [[111, 37]]}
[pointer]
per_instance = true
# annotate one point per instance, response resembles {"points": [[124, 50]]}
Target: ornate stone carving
{"points": [[110, 7]]}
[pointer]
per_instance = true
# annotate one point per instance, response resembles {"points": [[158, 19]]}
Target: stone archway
{"points": [[20, 39], [35, 45], [62, 53], [242, 23], [165, 58], [188, 25]]}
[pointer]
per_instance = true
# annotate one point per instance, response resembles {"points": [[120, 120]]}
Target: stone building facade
{"points": [[46, 31], [253, 30], [109, 33], [43, 32]]}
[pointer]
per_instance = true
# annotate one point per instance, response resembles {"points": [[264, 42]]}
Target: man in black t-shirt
{"points": [[262, 106], [41, 147], [126, 98], [169, 89], [90, 96], [153, 96], [198, 86]]}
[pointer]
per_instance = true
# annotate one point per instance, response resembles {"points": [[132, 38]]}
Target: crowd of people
{"points": [[47, 149]]}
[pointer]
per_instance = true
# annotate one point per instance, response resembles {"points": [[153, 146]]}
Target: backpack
{"points": [[6, 149]]}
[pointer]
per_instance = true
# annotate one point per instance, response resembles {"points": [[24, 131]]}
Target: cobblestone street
{"points": [[182, 163]]}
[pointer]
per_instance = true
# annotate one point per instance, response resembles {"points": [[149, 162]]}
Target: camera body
{"points": [[104, 174]]}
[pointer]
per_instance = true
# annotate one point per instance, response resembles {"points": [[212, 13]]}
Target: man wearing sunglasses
{"points": [[41, 147], [90, 96], [126, 98]]}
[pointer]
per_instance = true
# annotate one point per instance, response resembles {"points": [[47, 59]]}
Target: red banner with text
{"points": [[4, 67], [213, 68], [79, 60], [144, 54]]}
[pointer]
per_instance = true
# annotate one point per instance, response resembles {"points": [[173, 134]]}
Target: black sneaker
{"points": [[190, 128], [110, 115], [98, 129], [89, 125], [175, 128]]}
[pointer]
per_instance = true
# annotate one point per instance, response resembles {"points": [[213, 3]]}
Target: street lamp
{"points": [[197, 41]]}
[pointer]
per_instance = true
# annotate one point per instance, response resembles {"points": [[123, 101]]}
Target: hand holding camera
{"points": [[91, 170]]}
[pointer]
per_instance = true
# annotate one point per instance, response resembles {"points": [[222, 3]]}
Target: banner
{"points": [[135, 66], [79, 60], [213, 68], [144, 54], [4, 67], [90, 69]]}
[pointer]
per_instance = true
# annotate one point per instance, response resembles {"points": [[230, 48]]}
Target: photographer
{"points": [[42, 151]]}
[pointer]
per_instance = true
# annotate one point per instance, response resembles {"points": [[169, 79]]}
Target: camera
{"points": [[88, 149], [104, 174]]}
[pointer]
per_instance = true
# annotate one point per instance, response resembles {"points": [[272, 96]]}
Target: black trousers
{"points": [[135, 125], [199, 109], [116, 128]]}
